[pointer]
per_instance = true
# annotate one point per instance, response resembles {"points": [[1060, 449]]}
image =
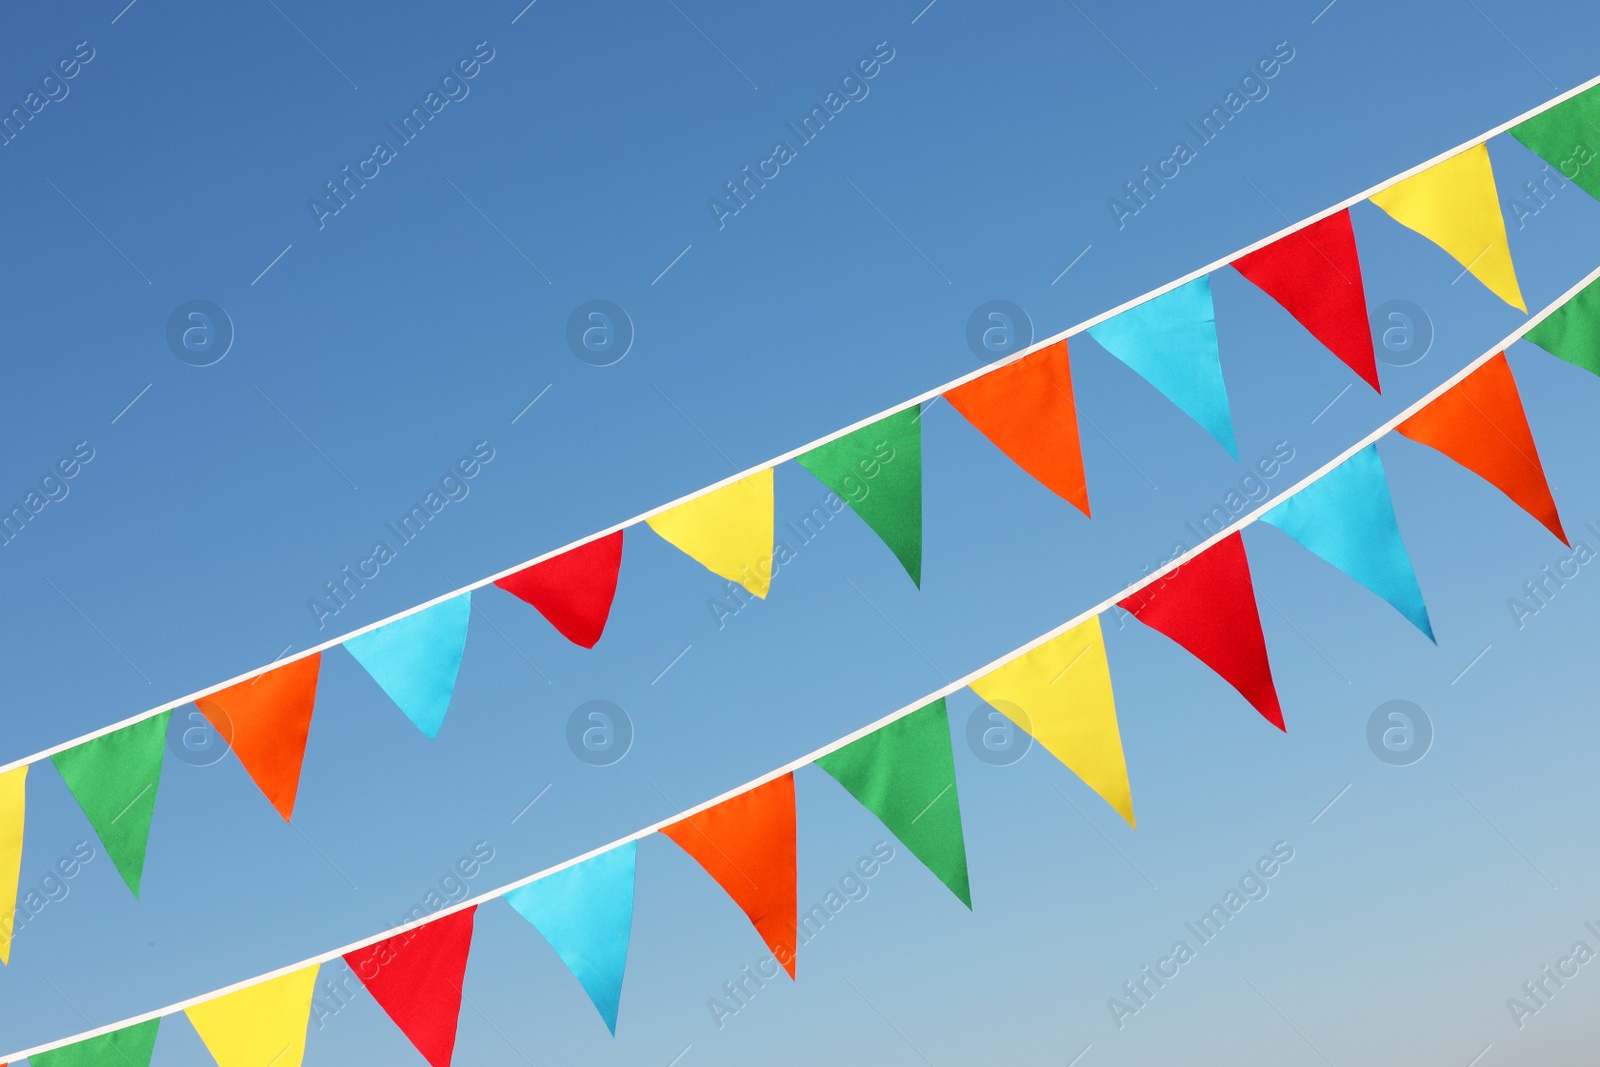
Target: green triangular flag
{"points": [[1568, 138], [129, 1047], [1572, 331], [905, 774], [114, 779], [878, 471]]}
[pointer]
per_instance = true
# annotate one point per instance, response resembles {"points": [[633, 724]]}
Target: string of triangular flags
{"points": [[1057, 688], [1024, 406]]}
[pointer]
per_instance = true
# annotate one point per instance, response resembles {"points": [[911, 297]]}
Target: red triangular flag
{"points": [[266, 721], [747, 844], [1026, 409], [1208, 605], [573, 590], [416, 978], [1479, 423], [1315, 274]]}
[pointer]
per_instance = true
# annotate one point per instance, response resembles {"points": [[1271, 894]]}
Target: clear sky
{"points": [[373, 347]]}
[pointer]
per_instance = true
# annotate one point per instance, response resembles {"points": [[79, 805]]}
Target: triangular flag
{"points": [[416, 978], [746, 843], [1572, 331], [1062, 693], [1563, 135], [416, 659], [573, 590], [878, 470], [13, 809], [1479, 423], [586, 913], [129, 1047], [728, 531], [262, 1025], [1208, 605], [1454, 204], [1315, 275], [266, 721], [905, 774], [1026, 409], [1347, 518], [1171, 341], [114, 778]]}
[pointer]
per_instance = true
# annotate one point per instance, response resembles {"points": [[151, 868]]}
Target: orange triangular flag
{"points": [[1479, 423], [265, 721], [747, 844], [1026, 409]]}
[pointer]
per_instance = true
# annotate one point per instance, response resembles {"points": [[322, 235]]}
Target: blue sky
{"points": [[372, 351]]}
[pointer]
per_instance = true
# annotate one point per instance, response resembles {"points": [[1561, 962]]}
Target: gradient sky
{"points": [[372, 353]]}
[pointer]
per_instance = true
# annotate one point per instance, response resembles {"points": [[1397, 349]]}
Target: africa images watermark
{"points": [[1539, 991], [53, 89], [1253, 87], [1543, 587]]}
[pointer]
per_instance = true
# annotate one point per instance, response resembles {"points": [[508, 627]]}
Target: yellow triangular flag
{"points": [[1454, 205], [729, 531], [13, 808], [1061, 694], [261, 1025]]}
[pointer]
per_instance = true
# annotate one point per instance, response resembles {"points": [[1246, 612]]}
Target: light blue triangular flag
{"points": [[415, 659], [586, 913], [1347, 518], [1172, 342]]}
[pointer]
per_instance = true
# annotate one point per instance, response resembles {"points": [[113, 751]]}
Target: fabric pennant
{"points": [[1027, 411], [1455, 205], [1572, 331], [1171, 341], [1208, 605], [131, 1046], [574, 590], [1315, 275], [262, 1025], [114, 778], [905, 774], [1568, 138], [1060, 693], [1479, 423], [586, 913], [1347, 518], [266, 721], [416, 979], [728, 531], [878, 471], [746, 843], [416, 659], [13, 812]]}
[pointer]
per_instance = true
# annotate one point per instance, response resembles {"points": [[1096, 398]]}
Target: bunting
{"points": [[1063, 691], [1347, 518], [1171, 341], [262, 1025], [131, 1046], [878, 471], [1572, 331], [728, 531], [1208, 605], [416, 979], [1567, 137], [266, 721], [746, 844], [905, 774], [415, 659], [585, 912], [1479, 423], [13, 810], [114, 778], [1455, 205], [1027, 411], [574, 590], [1315, 275]]}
